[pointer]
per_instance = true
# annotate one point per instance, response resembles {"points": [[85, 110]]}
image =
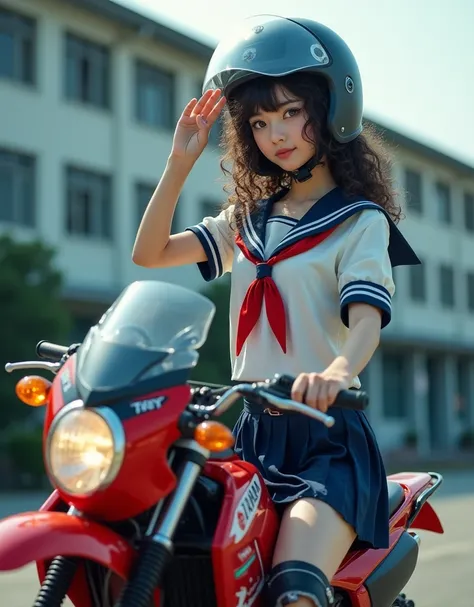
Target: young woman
{"points": [[309, 235]]}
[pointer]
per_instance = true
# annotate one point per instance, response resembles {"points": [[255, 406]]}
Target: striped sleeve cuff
{"points": [[212, 268], [361, 291]]}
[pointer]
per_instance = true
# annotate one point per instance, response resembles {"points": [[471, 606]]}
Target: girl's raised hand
{"points": [[192, 131]]}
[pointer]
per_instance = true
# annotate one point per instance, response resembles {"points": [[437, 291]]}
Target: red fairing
{"points": [[245, 535], [149, 437], [66, 374]]}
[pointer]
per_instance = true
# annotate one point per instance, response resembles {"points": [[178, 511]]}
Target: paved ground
{"points": [[444, 576]]}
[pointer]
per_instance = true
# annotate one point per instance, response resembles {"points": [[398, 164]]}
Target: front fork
{"points": [[56, 583], [156, 548]]}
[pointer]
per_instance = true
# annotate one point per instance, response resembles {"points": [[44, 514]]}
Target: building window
{"points": [[154, 96], [143, 194], [87, 72], [394, 385], [469, 211], [17, 47], [414, 190], [17, 188], [444, 202], [446, 286], [417, 283], [89, 204], [470, 291]]}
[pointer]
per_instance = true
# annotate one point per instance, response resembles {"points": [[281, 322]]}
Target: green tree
{"points": [[214, 359], [30, 310]]}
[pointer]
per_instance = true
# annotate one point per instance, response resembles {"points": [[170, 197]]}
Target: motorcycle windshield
{"points": [[149, 323]]}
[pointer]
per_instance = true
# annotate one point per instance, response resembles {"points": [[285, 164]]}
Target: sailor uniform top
{"points": [[293, 280]]}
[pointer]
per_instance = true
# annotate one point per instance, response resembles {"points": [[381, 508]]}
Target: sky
{"points": [[416, 57]]}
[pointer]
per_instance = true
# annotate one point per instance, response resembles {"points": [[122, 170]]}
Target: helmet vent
{"points": [[319, 53], [349, 84], [249, 54]]}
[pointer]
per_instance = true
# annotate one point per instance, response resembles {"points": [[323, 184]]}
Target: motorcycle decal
{"points": [[246, 509], [240, 571], [245, 553], [66, 383], [68, 387], [254, 572], [127, 410], [150, 404]]}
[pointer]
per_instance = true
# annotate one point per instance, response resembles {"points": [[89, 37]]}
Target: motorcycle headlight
{"points": [[85, 448]]}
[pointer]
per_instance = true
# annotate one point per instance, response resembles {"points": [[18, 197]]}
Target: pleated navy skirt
{"points": [[300, 457]]}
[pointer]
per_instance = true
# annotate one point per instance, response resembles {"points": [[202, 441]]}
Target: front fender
{"points": [[40, 536]]}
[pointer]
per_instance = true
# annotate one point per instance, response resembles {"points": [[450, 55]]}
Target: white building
{"points": [[89, 96]]}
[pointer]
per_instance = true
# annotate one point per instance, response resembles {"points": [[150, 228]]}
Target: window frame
{"points": [[97, 91], [24, 170], [101, 209], [150, 72], [24, 61]]}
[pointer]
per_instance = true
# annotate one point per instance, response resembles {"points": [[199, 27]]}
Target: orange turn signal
{"points": [[33, 390], [213, 436]]}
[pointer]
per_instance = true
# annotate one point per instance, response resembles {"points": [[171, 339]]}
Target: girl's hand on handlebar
{"points": [[319, 390]]}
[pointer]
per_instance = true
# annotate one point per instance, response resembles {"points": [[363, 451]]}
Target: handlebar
{"points": [[346, 399], [277, 392], [49, 351]]}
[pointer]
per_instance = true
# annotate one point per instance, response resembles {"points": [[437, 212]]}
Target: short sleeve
{"points": [[217, 239], [364, 271]]}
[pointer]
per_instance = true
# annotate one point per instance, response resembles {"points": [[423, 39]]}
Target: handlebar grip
{"points": [[49, 351], [346, 399], [352, 399]]}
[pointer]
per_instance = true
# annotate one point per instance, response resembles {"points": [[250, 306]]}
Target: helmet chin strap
{"points": [[268, 168], [304, 172]]}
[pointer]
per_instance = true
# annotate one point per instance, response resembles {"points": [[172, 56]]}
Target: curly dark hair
{"points": [[360, 168]]}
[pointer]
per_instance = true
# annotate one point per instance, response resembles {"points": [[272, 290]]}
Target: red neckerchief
{"points": [[264, 287]]}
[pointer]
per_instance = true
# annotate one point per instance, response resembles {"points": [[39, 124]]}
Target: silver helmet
{"points": [[268, 45]]}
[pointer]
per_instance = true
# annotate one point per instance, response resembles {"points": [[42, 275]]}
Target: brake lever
{"points": [[286, 404], [32, 364]]}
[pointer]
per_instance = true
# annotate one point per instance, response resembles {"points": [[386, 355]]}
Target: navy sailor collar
{"points": [[329, 211]]}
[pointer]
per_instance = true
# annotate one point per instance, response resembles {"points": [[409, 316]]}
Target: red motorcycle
{"points": [[151, 506]]}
